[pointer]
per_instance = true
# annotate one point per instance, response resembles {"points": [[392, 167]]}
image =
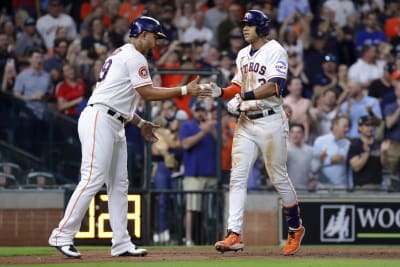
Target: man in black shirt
{"points": [[367, 157]]}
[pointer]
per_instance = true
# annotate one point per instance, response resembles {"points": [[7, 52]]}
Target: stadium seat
{"points": [[40, 179], [7, 180]]}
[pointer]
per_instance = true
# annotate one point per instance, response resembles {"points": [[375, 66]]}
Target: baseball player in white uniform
{"points": [[262, 128], [124, 79]]}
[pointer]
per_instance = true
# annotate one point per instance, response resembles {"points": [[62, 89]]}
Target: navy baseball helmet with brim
{"points": [[146, 24]]}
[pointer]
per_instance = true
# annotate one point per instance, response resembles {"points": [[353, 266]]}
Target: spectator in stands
{"points": [[214, 16], [172, 59], [392, 13], [199, 144], [117, 32], [228, 125], [342, 10], [367, 156], [131, 9], [28, 40], [225, 66], [166, 153], [296, 70], [167, 22], [9, 76], [322, 114], [343, 79], [347, 47], [8, 26], [299, 105], [330, 156], [328, 77], [32, 86], [235, 43], [95, 43], [299, 159], [225, 27], [198, 31], [382, 86], [314, 55], [357, 105], [294, 34], [392, 119], [48, 24], [367, 68], [371, 34], [184, 17], [53, 65], [69, 92], [5, 54], [287, 7]]}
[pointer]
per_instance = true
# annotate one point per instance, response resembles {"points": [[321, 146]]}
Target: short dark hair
{"points": [[58, 41], [295, 124], [336, 120], [35, 50]]}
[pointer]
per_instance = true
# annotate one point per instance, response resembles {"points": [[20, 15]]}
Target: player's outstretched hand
{"points": [[234, 105], [147, 131], [194, 89], [216, 91]]}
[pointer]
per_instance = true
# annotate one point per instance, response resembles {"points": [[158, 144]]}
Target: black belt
{"points": [[258, 115], [112, 113]]}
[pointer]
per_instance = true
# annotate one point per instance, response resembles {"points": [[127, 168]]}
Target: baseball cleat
{"points": [[134, 252], [69, 251], [232, 242], [293, 242]]}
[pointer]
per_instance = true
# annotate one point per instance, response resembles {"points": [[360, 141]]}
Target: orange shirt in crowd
{"points": [[173, 80], [392, 27], [130, 11], [226, 151]]}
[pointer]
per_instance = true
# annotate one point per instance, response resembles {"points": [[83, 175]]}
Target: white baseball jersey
{"points": [[122, 72], [266, 63], [266, 135], [104, 149]]}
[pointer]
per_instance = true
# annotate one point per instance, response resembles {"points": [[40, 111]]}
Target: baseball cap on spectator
{"points": [[330, 58], [199, 42], [389, 67], [198, 105], [365, 120], [181, 115], [29, 22], [395, 75]]}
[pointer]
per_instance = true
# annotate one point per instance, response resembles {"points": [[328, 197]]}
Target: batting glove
{"points": [[251, 105], [234, 105], [216, 90]]}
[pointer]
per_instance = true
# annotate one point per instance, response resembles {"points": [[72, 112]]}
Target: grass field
{"points": [[304, 259]]}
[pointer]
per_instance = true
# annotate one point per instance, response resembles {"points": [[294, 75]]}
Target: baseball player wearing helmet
{"points": [[124, 79], [255, 95]]}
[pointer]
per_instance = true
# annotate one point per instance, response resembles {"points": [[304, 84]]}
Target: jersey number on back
{"points": [[104, 70]]}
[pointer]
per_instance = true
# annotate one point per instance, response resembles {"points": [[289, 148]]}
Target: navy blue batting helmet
{"points": [[259, 19], [146, 24]]}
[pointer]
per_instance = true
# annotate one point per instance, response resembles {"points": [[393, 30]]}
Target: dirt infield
{"points": [[203, 253]]}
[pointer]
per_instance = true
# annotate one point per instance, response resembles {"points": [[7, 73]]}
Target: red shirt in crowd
{"points": [[68, 92]]}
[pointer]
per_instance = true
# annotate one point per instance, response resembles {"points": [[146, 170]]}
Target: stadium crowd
{"points": [[342, 94]]}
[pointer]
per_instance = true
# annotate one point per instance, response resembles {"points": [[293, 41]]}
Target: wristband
{"points": [[248, 95], [184, 90], [141, 123]]}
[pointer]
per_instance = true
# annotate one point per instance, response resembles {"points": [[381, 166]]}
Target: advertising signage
{"points": [[349, 222]]}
